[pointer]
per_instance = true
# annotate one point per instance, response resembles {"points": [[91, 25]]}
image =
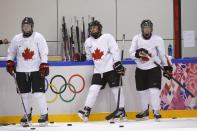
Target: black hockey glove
{"points": [[119, 68], [168, 72], [10, 67], [141, 53], [44, 70]]}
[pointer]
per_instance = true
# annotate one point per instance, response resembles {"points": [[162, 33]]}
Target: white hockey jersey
{"points": [[29, 52], [155, 46], [103, 51]]}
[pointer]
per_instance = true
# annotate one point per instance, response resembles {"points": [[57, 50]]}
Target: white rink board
{"points": [[105, 102]]}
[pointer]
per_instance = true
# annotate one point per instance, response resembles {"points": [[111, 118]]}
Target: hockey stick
{"points": [[110, 116], [65, 40], [77, 55], [175, 80], [18, 91], [83, 37], [77, 36], [171, 77]]}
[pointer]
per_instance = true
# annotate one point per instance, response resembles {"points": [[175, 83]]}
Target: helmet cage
{"points": [[146, 24], [28, 21], [98, 33]]}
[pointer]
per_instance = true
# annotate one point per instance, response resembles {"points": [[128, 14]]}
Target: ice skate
{"points": [[84, 114], [119, 116], [26, 120], [43, 120], [157, 115], [142, 115]]}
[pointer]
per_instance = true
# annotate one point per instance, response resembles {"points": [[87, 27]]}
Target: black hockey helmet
{"points": [[29, 21], [146, 24], [98, 33]]}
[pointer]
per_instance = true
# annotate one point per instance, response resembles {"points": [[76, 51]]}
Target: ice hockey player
{"points": [[104, 51], [30, 50], [147, 75]]}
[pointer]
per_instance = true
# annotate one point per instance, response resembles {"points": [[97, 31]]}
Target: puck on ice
{"points": [[112, 122], [121, 125], [25, 125], [6, 124], [52, 122], [174, 117], [32, 128], [69, 124]]}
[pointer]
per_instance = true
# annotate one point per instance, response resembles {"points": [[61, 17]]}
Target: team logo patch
{"points": [[97, 54], [27, 54]]}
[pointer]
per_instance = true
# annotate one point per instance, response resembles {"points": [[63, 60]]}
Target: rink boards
{"points": [[175, 102]]}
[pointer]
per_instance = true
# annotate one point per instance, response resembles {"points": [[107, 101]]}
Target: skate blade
{"points": [[111, 120], [26, 124], [157, 120], [142, 119], [85, 119], [116, 119], [124, 119], [121, 119], [43, 124]]}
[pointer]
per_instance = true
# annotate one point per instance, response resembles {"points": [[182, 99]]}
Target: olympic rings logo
{"points": [[66, 85]]}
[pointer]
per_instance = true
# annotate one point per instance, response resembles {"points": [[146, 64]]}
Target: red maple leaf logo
{"points": [[27, 54], [97, 54]]}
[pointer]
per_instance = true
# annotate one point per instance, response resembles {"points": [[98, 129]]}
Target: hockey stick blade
{"points": [[111, 115]]}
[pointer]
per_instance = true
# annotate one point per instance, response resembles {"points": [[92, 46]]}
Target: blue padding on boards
{"points": [[126, 61]]}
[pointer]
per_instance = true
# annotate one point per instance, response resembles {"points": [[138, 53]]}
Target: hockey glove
{"points": [[10, 67], [119, 68], [168, 72], [44, 70], [141, 53]]}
